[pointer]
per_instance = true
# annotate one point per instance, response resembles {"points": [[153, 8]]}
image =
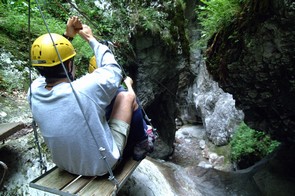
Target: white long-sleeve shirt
{"points": [[63, 125]]}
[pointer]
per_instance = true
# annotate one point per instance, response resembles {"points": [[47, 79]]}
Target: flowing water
{"points": [[152, 177], [196, 167]]}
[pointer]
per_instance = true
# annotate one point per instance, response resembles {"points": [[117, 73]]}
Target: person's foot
{"points": [[146, 146], [141, 149], [151, 136]]}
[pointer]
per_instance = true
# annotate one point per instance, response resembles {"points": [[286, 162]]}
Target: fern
{"points": [[248, 142], [216, 14]]}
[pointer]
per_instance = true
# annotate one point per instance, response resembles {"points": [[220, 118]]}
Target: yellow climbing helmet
{"points": [[43, 53], [92, 65]]}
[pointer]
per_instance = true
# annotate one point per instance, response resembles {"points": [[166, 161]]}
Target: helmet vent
{"points": [[45, 52]]}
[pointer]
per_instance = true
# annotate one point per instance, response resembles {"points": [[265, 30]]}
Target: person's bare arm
{"points": [[86, 33], [73, 26], [129, 82]]}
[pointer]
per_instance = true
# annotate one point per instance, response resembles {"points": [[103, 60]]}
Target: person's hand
{"points": [[128, 81], [73, 26], [86, 33]]}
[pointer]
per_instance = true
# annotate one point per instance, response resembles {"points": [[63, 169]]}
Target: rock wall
{"points": [[216, 108], [253, 59], [172, 84], [201, 100], [157, 78]]}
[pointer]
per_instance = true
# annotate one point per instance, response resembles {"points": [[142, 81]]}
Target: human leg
{"points": [[137, 120], [122, 112], [138, 141], [137, 132]]}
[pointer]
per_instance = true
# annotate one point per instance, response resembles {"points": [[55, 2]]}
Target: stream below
{"points": [[195, 168]]}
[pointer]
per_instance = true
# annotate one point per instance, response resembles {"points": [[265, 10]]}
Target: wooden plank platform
{"points": [[60, 182], [7, 129]]}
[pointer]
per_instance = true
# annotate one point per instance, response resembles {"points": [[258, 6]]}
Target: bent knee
{"points": [[126, 96]]}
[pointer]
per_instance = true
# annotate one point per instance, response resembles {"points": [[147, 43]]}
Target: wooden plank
{"points": [[102, 186], [78, 184], [7, 129], [63, 183], [55, 179]]}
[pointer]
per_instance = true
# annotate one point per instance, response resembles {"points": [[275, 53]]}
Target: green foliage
{"points": [[116, 20], [248, 142], [142, 17], [84, 53], [216, 14], [14, 38], [14, 23]]}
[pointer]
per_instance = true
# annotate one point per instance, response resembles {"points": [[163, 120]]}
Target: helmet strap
{"points": [[71, 76], [70, 69]]}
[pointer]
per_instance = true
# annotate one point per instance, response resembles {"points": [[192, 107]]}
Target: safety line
{"points": [[88, 19], [110, 42], [42, 163], [100, 149]]}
